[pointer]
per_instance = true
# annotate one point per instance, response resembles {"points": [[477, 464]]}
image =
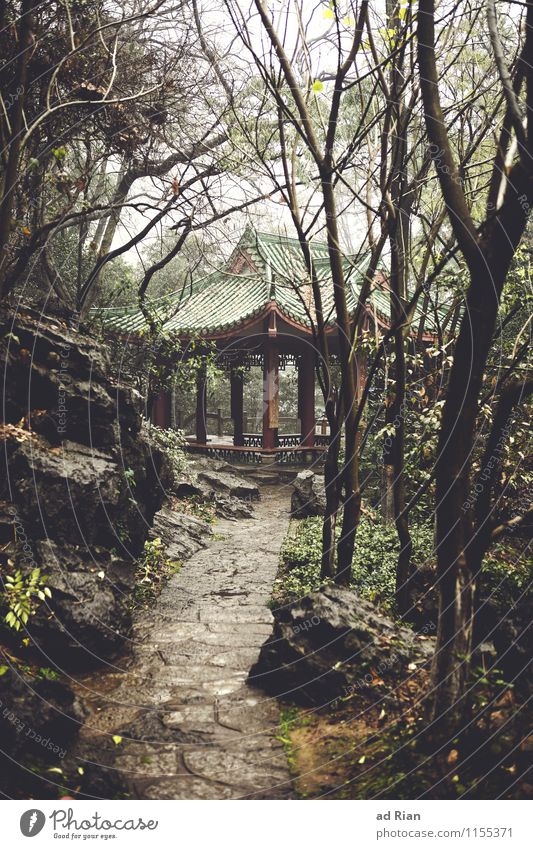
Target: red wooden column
{"points": [[161, 410], [306, 399], [270, 392], [237, 406], [201, 407]]}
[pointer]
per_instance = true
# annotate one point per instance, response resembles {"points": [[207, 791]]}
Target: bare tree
{"points": [[114, 97], [488, 249]]}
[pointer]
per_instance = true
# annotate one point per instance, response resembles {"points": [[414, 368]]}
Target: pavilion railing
{"points": [[230, 453], [289, 440], [293, 456], [252, 440]]}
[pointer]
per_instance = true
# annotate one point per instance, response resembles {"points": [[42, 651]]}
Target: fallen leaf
{"points": [[453, 757]]}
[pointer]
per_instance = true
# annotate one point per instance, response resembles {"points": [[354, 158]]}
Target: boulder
{"points": [[230, 484], [57, 379], [502, 632], [308, 497], [330, 644], [37, 716], [79, 485], [87, 618], [215, 481], [231, 507], [181, 534], [423, 596], [68, 492]]}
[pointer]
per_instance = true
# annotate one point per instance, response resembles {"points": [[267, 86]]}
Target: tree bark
{"points": [[488, 259], [11, 175]]}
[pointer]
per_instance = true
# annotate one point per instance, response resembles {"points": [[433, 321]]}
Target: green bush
{"points": [[507, 574], [171, 442], [374, 563]]}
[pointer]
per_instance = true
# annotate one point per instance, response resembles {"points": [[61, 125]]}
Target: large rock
{"points": [[308, 497], [79, 486], [88, 617], [423, 606], [38, 715], [58, 379], [213, 481], [331, 643], [181, 534], [228, 483], [231, 507], [68, 492], [502, 624]]}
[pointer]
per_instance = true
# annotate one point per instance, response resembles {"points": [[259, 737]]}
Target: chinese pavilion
{"points": [[257, 311]]}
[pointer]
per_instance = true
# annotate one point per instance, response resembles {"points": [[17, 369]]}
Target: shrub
{"points": [[507, 574], [374, 563], [22, 595], [171, 442]]}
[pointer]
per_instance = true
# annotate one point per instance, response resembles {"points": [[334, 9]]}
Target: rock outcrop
{"points": [[502, 625], [79, 487], [331, 643], [215, 482], [38, 715], [181, 534]]}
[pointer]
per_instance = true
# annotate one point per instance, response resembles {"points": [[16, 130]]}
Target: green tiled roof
{"points": [[272, 270], [213, 303]]}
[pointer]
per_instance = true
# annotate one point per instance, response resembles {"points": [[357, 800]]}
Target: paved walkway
{"points": [[191, 727]]}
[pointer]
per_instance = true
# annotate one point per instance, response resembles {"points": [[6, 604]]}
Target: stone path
{"points": [[191, 727]]}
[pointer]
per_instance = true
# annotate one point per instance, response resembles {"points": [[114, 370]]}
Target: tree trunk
{"points": [[350, 476], [331, 474], [24, 37], [456, 580], [488, 259]]}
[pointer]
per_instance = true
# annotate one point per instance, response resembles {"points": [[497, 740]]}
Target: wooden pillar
{"points": [[306, 399], [270, 394], [201, 407], [237, 407], [161, 410]]}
